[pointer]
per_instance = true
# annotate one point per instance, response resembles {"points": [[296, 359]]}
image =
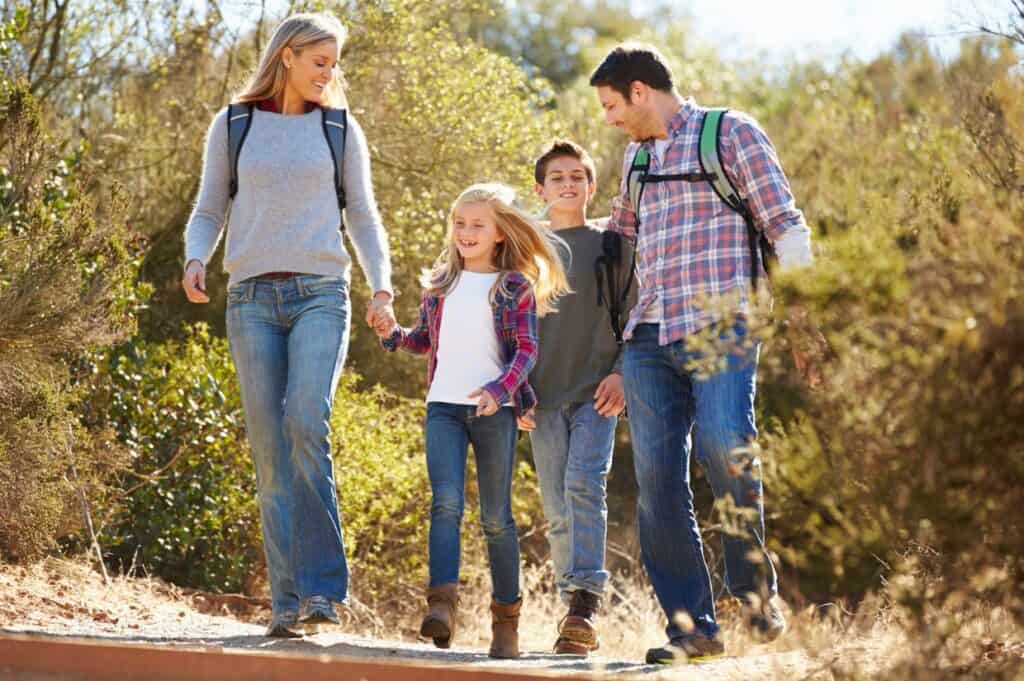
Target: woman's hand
{"points": [[526, 422], [380, 315], [194, 282], [486, 406]]}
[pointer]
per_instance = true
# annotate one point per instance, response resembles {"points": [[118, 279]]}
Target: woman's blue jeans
{"points": [[288, 340], [450, 429]]}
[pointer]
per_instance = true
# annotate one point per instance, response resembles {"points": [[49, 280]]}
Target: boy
{"points": [[578, 383]]}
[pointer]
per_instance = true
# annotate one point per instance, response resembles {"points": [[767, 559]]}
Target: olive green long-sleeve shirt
{"points": [[577, 345]]}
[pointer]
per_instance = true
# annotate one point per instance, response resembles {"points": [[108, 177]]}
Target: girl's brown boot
{"points": [[505, 626], [439, 623]]}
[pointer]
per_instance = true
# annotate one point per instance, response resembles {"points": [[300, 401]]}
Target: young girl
{"points": [[478, 325]]}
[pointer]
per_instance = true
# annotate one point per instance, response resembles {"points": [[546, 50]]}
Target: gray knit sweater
{"points": [[285, 215]]}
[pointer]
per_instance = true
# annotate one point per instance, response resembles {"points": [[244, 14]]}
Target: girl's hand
{"points": [[194, 282], [526, 422], [486, 405]]}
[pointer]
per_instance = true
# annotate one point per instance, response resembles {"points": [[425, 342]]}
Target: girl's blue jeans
{"points": [[450, 429]]}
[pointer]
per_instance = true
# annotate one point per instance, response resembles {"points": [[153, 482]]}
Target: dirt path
{"points": [[61, 599]]}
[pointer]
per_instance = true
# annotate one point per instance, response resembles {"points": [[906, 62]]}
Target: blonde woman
{"points": [[478, 324], [288, 298]]}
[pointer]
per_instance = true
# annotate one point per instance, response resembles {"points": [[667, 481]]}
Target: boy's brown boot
{"points": [[439, 623], [505, 626], [576, 633]]}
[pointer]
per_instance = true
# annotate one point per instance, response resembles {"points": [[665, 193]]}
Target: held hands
{"points": [[609, 398], [526, 422], [380, 315], [486, 406], [194, 282]]}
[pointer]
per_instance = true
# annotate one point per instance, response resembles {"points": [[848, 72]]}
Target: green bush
{"points": [[65, 286]]}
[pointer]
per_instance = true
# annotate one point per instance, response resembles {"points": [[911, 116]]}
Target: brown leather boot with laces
{"points": [[577, 634]]}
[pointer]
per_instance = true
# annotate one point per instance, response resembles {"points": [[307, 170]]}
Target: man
{"points": [[693, 259], [579, 392]]}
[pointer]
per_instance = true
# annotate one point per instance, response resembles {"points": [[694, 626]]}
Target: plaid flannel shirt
{"points": [[692, 247], [515, 323]]}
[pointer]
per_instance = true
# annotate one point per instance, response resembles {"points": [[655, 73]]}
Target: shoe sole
{"points": [[692, 659], [283, 631], [437, 630], [316, 623], [584, 636]]}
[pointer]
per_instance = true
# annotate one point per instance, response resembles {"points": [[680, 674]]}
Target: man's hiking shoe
{"points": [[284, 625], [686, 649], [576, 632], [766, 622], [316, 612]]}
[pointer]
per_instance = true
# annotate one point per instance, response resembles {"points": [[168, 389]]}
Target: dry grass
{"points": [[68, 597]]}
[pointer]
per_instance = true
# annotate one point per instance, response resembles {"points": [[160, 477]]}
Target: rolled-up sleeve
{"points": [[753, 166]]}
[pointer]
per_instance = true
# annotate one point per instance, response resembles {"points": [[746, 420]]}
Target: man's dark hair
{"points": [[558, 149], [633, 61]]}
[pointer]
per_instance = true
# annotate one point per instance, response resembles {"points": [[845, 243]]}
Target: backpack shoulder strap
{"points": [[239, 119], [335, 124], [711, 160], [636, 177], [711, 163]]}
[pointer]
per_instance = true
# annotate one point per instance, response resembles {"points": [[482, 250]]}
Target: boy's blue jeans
{"points": [[665, 404], [450, 429], [572, 448], [288, 340]]}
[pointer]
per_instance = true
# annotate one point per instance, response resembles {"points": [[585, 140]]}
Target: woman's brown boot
{"points": [[439, 623], [505, 626]]}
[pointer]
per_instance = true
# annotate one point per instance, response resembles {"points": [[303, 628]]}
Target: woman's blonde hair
{"points": [[528, 248], [298, 32]]}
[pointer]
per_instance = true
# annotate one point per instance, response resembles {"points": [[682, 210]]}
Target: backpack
{"points": [[712, 172], [334, 123], [604, 268]]}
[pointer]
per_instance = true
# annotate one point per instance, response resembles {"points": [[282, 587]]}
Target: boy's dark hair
{"points": [[633, 61], [559, 148]]}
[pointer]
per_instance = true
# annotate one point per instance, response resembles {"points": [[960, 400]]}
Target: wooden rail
{"points": [[90, 660]]}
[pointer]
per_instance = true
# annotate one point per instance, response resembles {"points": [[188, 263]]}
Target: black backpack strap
{"points": [[239, 120], [711, 164], [335, 124], [605, 271]]}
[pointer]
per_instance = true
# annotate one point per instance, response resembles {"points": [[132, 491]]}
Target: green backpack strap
{"points": [[335, 124], [239, 120], [711, 164], [636, 178]]}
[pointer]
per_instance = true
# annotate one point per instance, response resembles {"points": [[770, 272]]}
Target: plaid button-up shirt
{"points": [[515, 324], [692, 248]]}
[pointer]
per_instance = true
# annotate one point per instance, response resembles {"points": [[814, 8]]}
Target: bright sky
{"points": [[779, 30], [782, 29]]}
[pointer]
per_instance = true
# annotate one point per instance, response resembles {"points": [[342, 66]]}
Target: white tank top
{"points": [[468, 352]]}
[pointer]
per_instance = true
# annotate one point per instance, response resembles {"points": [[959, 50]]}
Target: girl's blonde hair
{"points": [[528, 248], [298, 32]]}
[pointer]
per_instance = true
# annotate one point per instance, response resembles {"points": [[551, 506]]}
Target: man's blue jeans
{"points": [[450, 429], [288, 340], [572, 448], [665, 403]]}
